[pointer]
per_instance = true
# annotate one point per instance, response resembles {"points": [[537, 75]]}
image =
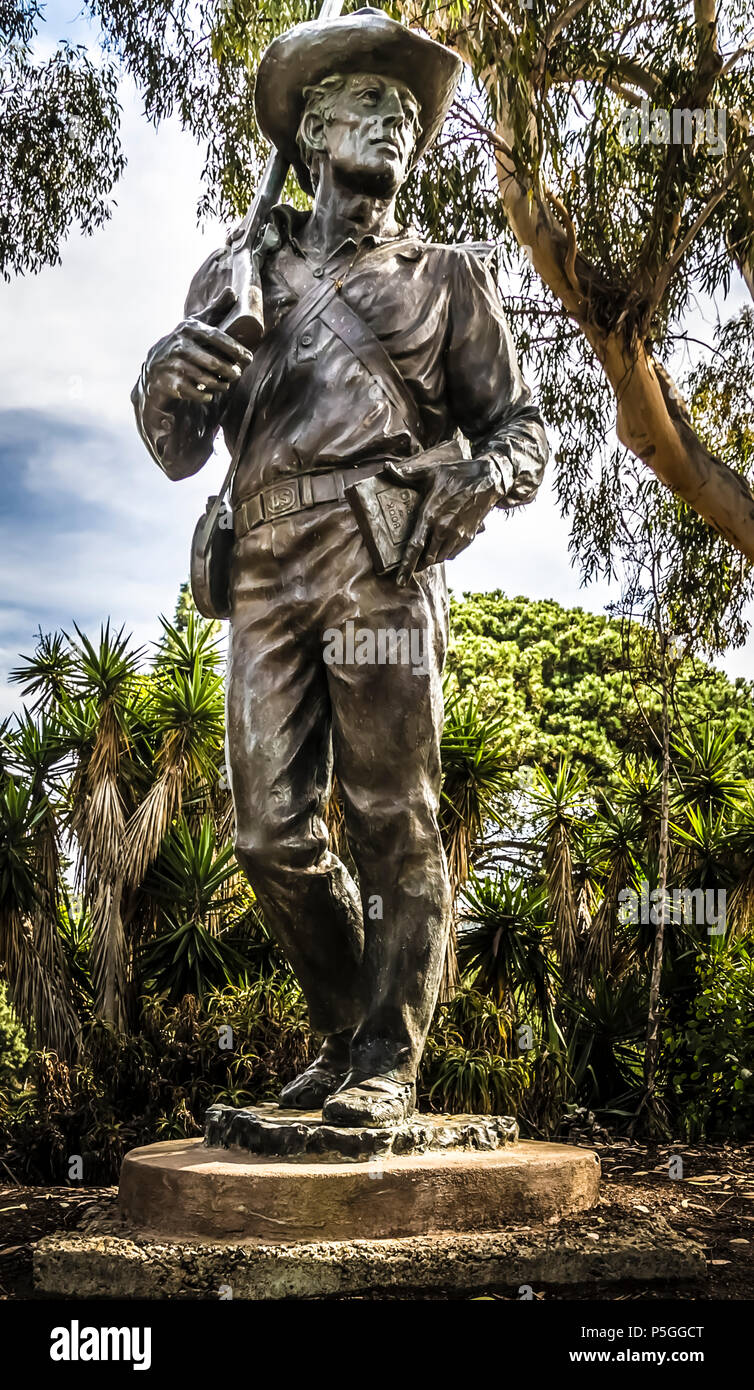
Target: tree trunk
{"points": [[651, 418]]}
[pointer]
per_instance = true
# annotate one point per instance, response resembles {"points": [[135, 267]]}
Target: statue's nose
{"points": [[393, 114]]}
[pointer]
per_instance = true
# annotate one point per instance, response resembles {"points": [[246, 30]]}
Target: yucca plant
{"points": [[705, 767], [186, 713], [96, 718], [34, 750], [189, 959], [191, 886], [503, 941], [638, 787], [36, 983], [741, 898], [705, 836], [46, 676], [614, 841], [560, 808], [607, 1027], [475, 775]]}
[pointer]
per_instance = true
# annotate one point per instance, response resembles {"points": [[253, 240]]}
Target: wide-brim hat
{"points": [[365, 41]]}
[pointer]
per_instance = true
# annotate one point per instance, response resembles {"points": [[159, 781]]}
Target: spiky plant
{"points": [[706, 840], [560, 808], [96, 720], [503, 941], [37, 753], [186, 715], [638, 786], [741, 899], [615, 840], [605, 1037], [46, 675], [36, 983], [705, 766], [475, 775]]}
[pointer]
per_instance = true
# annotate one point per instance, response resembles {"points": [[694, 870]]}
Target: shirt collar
{"points": [[287, 223]]}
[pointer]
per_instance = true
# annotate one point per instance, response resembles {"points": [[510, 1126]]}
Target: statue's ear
{"points": [[313, 130]]}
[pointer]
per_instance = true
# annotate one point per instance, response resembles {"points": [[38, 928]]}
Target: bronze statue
{"points": [[379, 352]]}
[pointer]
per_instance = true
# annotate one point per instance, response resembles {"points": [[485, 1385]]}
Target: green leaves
{"points": [[46, 674], [706, 767], [60, 153], [21, 817], [503, 945], [191, 874], [475, 769], [189, 960], [711, 1060]]}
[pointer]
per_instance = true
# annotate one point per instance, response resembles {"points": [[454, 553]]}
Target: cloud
{"points": [[88, 530]]}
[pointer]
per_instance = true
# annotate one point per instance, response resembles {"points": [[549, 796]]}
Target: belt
{"points": [[296, 493]]}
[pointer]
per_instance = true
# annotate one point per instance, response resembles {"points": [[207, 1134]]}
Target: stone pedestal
{"points": [[184, 1189], [267, 1173], [267, 1129], [274, 1204]]}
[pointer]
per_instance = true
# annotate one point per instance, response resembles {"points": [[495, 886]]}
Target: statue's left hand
{"points": [[458, 497]]}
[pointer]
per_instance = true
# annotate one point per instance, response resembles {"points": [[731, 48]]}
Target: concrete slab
{"points": [[134, 1266]]}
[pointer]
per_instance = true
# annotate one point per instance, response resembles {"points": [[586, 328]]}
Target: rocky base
{"points": [[130, 1265], [185, 1188], [268, 1130]]}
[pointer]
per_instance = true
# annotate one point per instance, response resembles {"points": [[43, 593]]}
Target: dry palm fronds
{"points": [[560, 808], [35, 995], [109, 953]]}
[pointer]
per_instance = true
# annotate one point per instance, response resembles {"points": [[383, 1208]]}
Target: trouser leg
{"points": [[279, 762], [387, 724]]}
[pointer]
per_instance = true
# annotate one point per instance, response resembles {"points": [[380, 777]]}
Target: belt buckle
{"points": [[281, 499]]}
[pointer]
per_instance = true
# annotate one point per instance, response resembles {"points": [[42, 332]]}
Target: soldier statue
{"points": [[385, 363]]}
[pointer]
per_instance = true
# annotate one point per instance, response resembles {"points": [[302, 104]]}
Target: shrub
{"points": [[709, 1066], [13, 1046]]}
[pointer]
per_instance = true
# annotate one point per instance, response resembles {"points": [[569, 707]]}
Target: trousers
{"points": [[334, 668]]}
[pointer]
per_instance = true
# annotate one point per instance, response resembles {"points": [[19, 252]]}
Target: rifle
{"points": [[245, 322]]}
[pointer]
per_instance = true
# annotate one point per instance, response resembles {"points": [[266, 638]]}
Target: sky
{"points": [[89, 527]]}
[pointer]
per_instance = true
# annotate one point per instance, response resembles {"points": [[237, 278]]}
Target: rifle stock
{"points": [[245, 322]]}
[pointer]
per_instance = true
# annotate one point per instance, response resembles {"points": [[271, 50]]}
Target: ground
{"points": [[711, 1200]]}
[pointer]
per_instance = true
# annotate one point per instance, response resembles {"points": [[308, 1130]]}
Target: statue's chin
{"points": [[381, 182]]}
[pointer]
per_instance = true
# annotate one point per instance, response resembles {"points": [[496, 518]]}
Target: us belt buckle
{"points": [[281, 499]]}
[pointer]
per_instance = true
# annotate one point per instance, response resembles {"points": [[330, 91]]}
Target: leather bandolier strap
{"points": [[293, 493]]}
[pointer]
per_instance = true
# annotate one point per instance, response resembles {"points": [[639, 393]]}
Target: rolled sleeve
{"points": [[487, 395]]}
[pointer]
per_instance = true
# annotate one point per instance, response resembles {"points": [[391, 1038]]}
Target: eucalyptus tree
{"points": [[623, 144], [608, 143], [671, 615]]}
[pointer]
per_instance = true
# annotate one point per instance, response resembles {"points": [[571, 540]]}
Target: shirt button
{"points": [[306, 340], [319, 272]]}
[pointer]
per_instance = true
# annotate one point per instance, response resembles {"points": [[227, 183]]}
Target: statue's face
{"points": [[371, 135]]}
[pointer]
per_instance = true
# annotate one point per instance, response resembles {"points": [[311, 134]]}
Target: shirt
{"points": [[437, 312]]}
